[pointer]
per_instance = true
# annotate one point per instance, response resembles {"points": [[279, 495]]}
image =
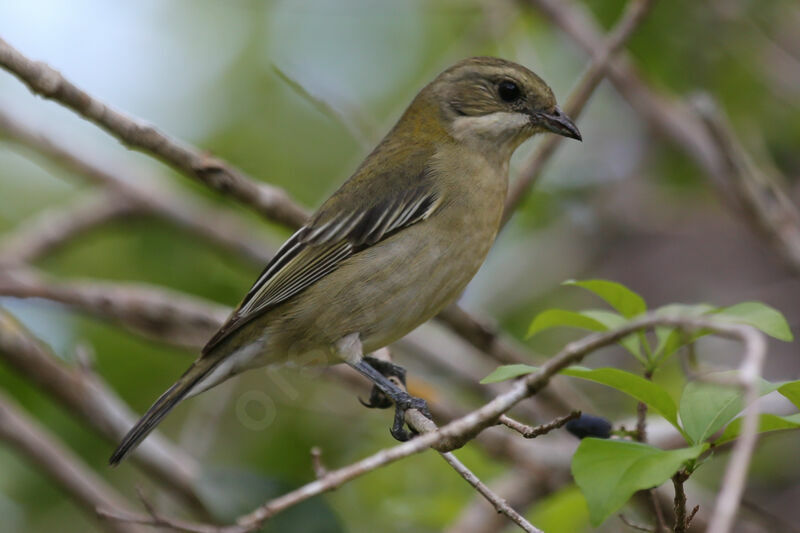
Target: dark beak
{"points": [[559, 123]]}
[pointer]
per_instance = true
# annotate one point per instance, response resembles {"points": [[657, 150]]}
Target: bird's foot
{"points": [[390, 388], [402, 404]]}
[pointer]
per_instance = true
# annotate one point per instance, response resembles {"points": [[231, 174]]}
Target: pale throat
{"points": [[497, 134]]}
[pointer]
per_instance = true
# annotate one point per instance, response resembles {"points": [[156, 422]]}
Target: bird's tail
{"points": [[177, 392]]}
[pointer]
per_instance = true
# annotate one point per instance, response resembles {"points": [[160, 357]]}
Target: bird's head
{"points": [[494, 105]]}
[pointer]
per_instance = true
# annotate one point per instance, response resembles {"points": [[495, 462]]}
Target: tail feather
{"points": [[165, 403]]}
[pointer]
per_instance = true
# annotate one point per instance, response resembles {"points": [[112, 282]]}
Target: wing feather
{"points": [[316, 250]]}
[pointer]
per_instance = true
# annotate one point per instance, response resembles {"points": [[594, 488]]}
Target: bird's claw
{"points": [[398, 430], [377, 399]]}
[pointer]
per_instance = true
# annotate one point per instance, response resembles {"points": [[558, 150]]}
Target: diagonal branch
{"points": [[759, 193], [83, 394], [700, 131], [68, 470], [460, 431], [270, 201], [591, 78], [215, 225], [156, 313], [52, 228], [499, 503]]}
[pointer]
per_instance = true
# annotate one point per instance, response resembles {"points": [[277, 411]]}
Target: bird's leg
{"points": [[402, 400], [377, 399], [350, 350]]}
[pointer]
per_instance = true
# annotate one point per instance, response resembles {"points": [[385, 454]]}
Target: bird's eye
{"points": [[508, 91]]}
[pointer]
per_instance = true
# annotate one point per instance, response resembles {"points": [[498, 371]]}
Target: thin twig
{"points": [[681, 520], [316, 462], [518, 487], [691, 515], [324, 107], [500, 505], [531, 432], [42, 79], [760, 195], [635, 13], [661, 523]]}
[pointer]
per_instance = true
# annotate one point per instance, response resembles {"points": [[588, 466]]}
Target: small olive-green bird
{"points": [[393, 246]]}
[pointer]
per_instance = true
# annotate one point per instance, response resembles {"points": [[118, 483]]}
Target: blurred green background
{"points": [[624, 205]]}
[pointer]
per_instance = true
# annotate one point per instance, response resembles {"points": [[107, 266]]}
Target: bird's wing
{"points": [[334, 234]]}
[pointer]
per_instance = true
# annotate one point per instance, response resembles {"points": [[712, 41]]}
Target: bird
{"points": [[395, 244]]}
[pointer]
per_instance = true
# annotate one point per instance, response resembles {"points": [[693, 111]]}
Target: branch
{"points": [[681, 519], [83, 394], [50, 229], [634, 15], [520, 489], [460, 431], [531, 432], [500, 504], [760, 194], [68, 470], [712, 149], [269, 201], [424, 425], [168, 316], [215, 225]]}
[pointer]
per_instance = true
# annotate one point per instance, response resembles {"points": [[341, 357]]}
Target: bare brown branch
{"points": [[499, 503], [681, 519], [52, 228], [216, 225], [84, 395], [634, 14], [531, 432], [68, 470], [270, 201], [707, 140], [156, 313]]}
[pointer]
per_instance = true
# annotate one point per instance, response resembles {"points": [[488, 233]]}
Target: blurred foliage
{"points": [[623, 205]]}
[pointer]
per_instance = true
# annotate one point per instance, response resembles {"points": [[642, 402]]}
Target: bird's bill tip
{"points": [[559, 123]]}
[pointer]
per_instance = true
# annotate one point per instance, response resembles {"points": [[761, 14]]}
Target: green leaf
{"points": [[609, 472], [612, 320], [761, 316], [506, 372], [766, 422], [706, 407], [552, 318], [792, 392], [636, 386], [625, 301]]}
